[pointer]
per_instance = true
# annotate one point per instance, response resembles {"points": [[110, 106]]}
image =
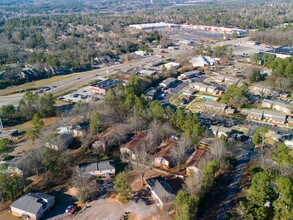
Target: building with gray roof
{"points": [[103, 168], [275, 117], [32, 205], [161, 190]]}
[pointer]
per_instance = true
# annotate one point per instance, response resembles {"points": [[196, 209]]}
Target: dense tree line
{"points": [[28, 106], [278, 36], [282, 75]]}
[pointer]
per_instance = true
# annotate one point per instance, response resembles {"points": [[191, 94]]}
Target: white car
{"points": [[68, 208]]}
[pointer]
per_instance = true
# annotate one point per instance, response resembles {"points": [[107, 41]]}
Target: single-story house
{"points": [[32, 205], [164, 157], [130, 147], [59, 141], [193, 165], [167, 83], [219, 131], [162, 192], [103, 168]]}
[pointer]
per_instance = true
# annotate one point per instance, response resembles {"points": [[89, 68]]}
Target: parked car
{"points": [[72, 210], [68, 208]]}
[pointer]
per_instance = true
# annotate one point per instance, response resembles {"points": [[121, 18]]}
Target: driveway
{"points": [[112, 210]]}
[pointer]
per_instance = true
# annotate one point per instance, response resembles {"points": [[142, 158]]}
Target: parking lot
{"points": [[245, 48], [84, 94], [183, 34]]}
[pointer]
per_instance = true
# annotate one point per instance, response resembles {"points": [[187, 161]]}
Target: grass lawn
{"points": [[27, 125], [243, 129], [195, 103], [37, 84], [176, 99]]}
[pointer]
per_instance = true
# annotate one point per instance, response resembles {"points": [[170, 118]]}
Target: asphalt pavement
{"points": [[73, 81]]}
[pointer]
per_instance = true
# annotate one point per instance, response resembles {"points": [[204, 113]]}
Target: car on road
{"points": [[72, 209], [77, 78]]}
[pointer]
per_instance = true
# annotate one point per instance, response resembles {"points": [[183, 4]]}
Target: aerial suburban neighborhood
{"points": [[116, 110]]}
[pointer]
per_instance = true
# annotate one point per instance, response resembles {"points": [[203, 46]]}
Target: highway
{"points": [[85, 78]]}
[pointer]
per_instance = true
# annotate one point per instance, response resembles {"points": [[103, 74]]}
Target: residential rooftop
{"points": [[32, 202]]}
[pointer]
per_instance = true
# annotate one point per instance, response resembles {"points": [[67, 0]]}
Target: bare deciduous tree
{"points": [[143, 161], [84, 182], [179, 152]]}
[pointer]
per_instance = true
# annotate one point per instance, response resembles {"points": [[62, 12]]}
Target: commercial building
{"points": [[32, 205], [223, 30], [105, 85], [152, 26]]}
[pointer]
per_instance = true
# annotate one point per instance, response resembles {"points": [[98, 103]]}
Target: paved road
{"points": [[86, 77]]}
